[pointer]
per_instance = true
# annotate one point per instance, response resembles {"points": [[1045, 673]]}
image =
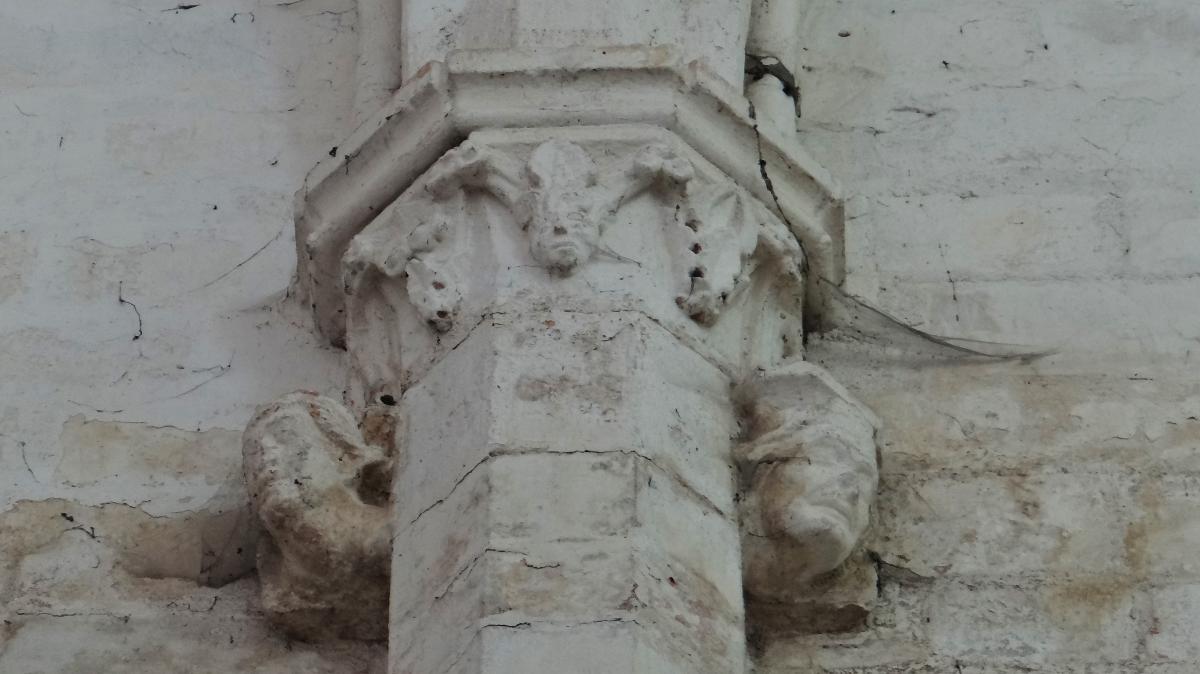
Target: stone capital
{"points": [[476, 91]]}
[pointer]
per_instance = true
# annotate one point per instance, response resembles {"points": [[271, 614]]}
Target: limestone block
{"points": [[1010, 525], [1086, 621], [1163, 543], [651, 558], [1175, 610], [567, 490], [893, 638], [713, 31]]}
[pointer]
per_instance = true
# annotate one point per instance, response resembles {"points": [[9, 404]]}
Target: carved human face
{"points": [[563, 233], [821, 500]]}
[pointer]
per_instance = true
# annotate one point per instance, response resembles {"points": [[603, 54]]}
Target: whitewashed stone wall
{"points": [[1023, 172], [151, 154], [1020, 171]]}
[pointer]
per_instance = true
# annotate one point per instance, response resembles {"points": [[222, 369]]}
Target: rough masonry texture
{"points": [[1017, 177]]}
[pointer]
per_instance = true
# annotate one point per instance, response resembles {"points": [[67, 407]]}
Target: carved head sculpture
{"points": [[810, 467], [821, 501], [563, 207]]}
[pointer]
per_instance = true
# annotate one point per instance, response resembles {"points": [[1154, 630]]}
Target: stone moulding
{"points": [[474, 90]]}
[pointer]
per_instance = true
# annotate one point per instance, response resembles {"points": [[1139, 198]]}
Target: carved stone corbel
{"points": [[809, 473], [321, 492]]}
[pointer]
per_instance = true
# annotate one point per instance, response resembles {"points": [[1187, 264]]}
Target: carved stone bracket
{"points": [[321, 492], [809, 473]]}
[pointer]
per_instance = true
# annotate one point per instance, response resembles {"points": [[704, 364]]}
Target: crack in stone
{"points": [[766, 178], [466, 570], [75, 614], [448, 494], [526, 625]]}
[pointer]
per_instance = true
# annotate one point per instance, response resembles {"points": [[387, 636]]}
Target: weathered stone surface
{"points": [[322, 495], [1016, 171], [809, 472], [710, 31]]}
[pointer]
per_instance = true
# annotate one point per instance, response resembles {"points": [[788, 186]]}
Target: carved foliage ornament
{"points": [[563, 203]]}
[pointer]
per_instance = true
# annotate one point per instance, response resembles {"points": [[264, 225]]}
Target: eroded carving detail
{"points": [[425, 257], [719, 237], [321, 492], [809, 472]]}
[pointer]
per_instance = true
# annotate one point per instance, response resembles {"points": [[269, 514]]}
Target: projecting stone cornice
{"points": [[444, 103]]}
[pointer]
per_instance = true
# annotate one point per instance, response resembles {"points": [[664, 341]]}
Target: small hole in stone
{"points": [[696, 248], [696, 272], [387, 399], [438, 285], [693, 225], [443, 314], [844, 33], [671, 580]]}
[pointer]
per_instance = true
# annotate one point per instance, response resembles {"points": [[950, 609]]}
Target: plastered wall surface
{"points": [[1021, 172], [151, 150], [1018, 171]]}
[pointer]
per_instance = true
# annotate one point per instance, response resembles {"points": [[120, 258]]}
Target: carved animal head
{"points": [[433, 286]]}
